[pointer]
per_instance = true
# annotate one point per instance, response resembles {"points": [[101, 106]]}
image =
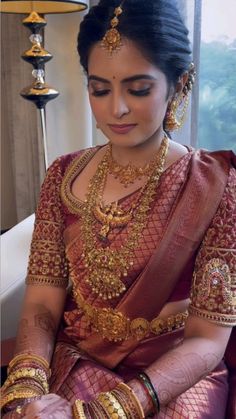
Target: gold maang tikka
{"points": [[112, 38]]}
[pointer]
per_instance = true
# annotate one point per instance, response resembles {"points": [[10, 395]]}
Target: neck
{"points": [[139, 154]]}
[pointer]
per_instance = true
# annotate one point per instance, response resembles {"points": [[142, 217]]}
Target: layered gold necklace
{"points": [[105, 266]]}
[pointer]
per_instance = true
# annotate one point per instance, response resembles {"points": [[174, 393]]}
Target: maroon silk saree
{"points": [[101, 343]]}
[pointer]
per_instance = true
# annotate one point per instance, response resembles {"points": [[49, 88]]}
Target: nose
{"points": [[119, 105]]}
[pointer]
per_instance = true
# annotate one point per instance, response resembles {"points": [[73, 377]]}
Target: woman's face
{"points": [[128, 95]]}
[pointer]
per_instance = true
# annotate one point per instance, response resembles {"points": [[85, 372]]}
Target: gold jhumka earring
{"points": [[112, 38], [176, 111]]}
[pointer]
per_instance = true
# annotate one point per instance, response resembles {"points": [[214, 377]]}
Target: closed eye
{"points": [[98, 93], [140, 92]]}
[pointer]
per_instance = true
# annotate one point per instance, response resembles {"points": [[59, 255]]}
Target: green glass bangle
{"points": [[151, 390]]}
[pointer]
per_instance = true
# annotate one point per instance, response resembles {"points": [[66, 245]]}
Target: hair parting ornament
{"points": [[112, 38]]}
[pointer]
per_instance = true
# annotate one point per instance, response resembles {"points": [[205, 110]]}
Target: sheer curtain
{"points": [[21, 154]]}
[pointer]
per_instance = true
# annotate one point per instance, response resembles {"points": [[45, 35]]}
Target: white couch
{"points": [[15, 246]]}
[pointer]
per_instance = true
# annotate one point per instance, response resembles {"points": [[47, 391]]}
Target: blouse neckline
{"points": [[75, 167]]}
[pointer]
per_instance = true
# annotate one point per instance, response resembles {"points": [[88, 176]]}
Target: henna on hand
{"points": [[176, 372], [50, 406], [36, 332]]}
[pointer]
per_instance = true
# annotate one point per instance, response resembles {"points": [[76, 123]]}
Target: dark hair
{"points": [[155, 26]]}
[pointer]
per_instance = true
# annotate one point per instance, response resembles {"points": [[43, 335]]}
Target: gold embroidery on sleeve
{"points": [[213, 293], [47, 262]]}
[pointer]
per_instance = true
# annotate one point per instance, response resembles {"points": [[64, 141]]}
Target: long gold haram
{"points": [[105, 266]]}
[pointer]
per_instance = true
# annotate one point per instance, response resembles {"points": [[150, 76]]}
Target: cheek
{"points": [[153, 109], [97, 107]]}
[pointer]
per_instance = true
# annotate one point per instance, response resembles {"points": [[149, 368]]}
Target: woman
{"points": [[143, 227]]}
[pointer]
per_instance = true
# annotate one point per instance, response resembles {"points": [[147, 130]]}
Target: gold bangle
{"points": [[33, 373], [16, 387], [111, 405], [24, 382], [78, 410], [17, 395], [132, 396], [26, 357], [98, 410], [125, 403]]}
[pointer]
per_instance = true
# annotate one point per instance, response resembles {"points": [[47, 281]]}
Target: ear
{"points": [[181, 83]]}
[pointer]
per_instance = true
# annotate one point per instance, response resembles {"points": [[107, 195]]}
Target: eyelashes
{"points": [[138, 93], [98, 93]]}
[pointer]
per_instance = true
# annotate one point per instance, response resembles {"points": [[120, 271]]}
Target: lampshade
{"points": [[42, 6]]}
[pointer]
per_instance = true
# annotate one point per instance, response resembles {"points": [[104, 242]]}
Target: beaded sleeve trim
{"points": [[46, 280]]}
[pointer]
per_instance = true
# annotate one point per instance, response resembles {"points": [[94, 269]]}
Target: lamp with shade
{"points": [[39, 92]]}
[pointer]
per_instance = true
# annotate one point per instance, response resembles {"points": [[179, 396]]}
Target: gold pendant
{"points": [[105, 283], [111, 216]]}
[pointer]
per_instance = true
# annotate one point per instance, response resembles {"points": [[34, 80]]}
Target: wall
{"points": [[69, 119]]}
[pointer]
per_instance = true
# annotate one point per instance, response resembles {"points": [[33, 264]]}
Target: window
{"points": [[217, 78]]}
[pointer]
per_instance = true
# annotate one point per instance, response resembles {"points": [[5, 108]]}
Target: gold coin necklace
{"points": [[105, 266]]}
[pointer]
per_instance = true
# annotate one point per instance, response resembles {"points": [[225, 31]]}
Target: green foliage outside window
{"points": [[217, 101]]}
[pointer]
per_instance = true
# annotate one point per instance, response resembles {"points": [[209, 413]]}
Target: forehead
{"points": [[125, 62]]}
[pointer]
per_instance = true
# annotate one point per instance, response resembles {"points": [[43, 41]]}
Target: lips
{"points": [[121, 128]]}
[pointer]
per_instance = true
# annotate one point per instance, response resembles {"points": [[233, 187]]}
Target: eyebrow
{"points": [[126, 80]]}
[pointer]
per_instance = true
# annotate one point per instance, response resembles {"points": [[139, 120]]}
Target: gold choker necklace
{"points": [[129, 174], [105, 266]]}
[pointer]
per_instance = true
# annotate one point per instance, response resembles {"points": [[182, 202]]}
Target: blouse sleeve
{"points": [[47, 262], [213, 293]]}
